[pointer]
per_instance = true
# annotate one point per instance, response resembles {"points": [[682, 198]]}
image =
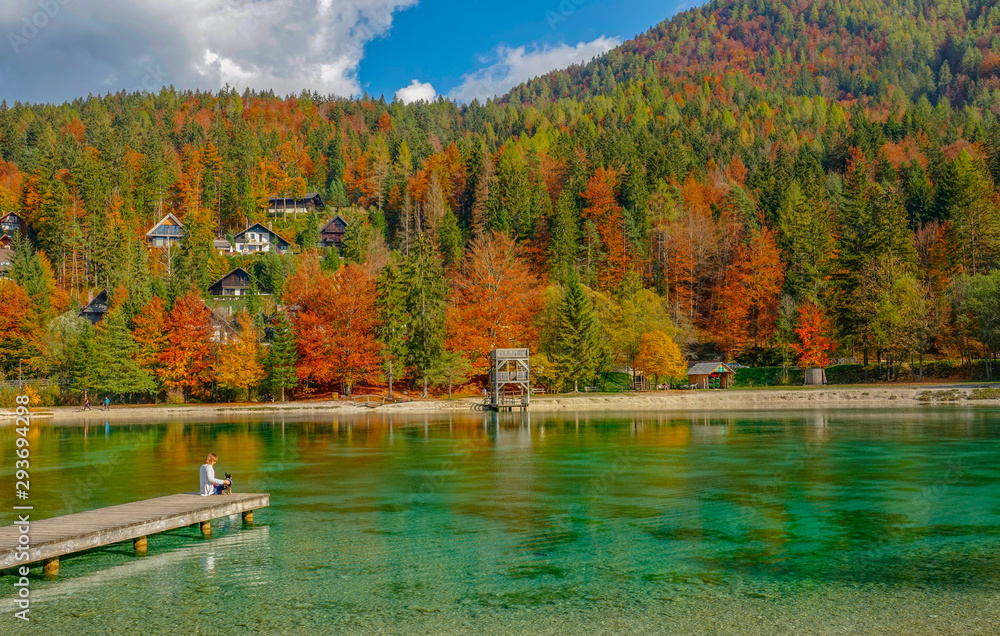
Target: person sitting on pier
{"points": [[209, 484]]}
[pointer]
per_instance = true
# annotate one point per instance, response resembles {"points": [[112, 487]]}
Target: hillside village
{"points": [[786, 188]]}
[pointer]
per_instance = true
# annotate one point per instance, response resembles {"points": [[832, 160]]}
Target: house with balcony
{"points": [[305, 204], [167, 231], [11, 224], [332, 234], [257, 239], [235, 283]]}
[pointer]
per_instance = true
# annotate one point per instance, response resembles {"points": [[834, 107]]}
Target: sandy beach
{"points": [[903, 396]]}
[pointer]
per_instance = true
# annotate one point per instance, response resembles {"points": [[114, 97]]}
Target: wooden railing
{"points": [[511, 376]]}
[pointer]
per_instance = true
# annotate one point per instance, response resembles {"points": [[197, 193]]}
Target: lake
{"points": [[827, 522]]}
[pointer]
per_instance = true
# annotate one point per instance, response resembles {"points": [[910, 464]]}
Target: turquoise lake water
{"points": [[801, 523]]}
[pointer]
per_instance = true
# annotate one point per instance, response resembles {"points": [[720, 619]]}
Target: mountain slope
{"points": [[838, 50], [730, 166]]}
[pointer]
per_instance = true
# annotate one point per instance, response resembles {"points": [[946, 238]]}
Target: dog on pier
{"points": [[227, 489]]}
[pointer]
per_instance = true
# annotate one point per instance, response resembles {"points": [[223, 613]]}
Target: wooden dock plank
{"points": [[60, 536]]}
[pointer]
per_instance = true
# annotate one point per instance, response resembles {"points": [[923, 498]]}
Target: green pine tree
{"points": [[309, 237], [393, 320], [84, 368], [450, 237], [450, 368], [357, 238], [281, 359], [117, 371], [577, 342], [426, 295], [565, 230]]}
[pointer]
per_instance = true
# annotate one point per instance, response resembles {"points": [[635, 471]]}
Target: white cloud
{"points": [[283, 45], [510, 67], [416, 92]]}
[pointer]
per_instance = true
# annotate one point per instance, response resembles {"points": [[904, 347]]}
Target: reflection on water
{"points": [[534, 523]]}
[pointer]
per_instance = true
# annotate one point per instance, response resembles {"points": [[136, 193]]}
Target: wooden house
{"points": [[257, 239], [96, 307], [332, 234], [235, 283], [711, 375], [222, 246], [6, 242], [11, 224], [296, 205], [6, 262], [167, 231]]}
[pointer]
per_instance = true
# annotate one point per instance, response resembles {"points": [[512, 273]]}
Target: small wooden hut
{"points": [[96, 308], [711, 375], [815, 377], [332, 234]]}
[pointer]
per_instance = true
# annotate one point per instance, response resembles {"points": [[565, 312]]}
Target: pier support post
{"points": [[248, 517], [139, 543], [206, 528], [50, 567]]}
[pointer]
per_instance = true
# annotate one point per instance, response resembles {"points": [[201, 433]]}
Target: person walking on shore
{"points": [[107, 403], [209, 484], [86, 405]]}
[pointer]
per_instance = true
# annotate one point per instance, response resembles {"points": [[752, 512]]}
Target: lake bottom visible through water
{"points": [[799, 523]]}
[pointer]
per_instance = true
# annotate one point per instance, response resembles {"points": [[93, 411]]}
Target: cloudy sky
{"points": [[56, 50]]}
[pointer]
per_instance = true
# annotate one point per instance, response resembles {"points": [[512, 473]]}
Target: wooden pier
{"points": [[60, 536]]}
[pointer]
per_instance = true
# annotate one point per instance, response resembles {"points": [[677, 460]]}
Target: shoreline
{"points": [[904, 396]]}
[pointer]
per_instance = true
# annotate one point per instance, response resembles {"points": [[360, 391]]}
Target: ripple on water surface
{"points": [[854, 522]]}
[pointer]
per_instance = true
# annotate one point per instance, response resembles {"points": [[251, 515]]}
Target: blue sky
{"points": [[61, 49]]}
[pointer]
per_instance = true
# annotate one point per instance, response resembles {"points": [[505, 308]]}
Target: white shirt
{"points": [[208, 479]]}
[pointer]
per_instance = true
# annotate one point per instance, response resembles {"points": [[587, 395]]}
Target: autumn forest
{"points": [[778, 184]]}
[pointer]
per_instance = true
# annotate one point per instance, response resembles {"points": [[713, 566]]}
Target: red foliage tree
{"points": [[812, 330], [494, 301], [185, 361], [335, 325]]}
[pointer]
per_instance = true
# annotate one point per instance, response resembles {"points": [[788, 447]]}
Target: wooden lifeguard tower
{"points": [[510, 380]]}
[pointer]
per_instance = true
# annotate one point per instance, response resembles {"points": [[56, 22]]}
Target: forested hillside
{"points": [[747, 180]]}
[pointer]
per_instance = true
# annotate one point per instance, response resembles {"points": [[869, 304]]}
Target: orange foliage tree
{"points": [[335, 326], [150, 334], [749, 293], [17, 329], [185, 361], [603, 209], [494, 300], [763, 279], [659, 356], [812, 330], [239, 363]]}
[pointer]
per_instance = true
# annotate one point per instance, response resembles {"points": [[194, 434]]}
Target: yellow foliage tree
{"points": [[659, 356], [239, 364]]}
